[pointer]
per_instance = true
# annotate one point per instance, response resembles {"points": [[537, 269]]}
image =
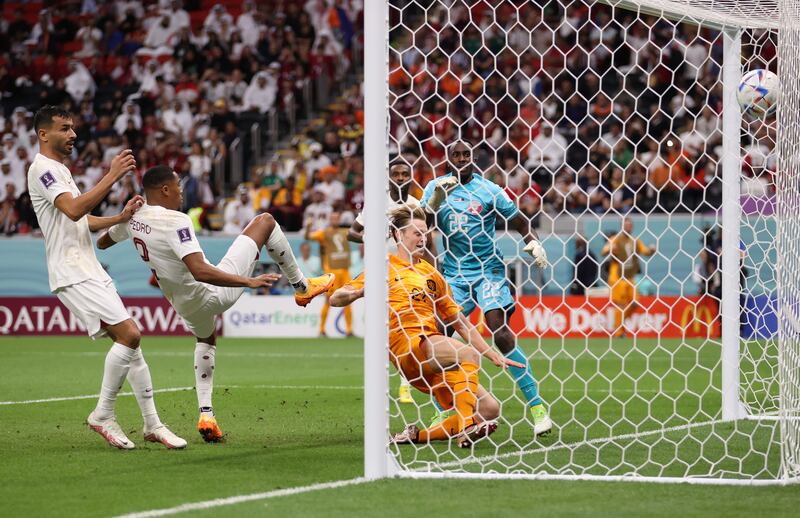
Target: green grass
{"points": [[292, 410]]}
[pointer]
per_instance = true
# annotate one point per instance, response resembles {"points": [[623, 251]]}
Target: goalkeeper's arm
{"points": [[533, 246], [522, 224]]}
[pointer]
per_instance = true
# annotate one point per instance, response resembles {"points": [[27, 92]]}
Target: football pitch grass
{"points": [[293, 414]]}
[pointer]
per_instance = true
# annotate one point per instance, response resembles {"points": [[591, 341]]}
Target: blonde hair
{"points": [[401, 217]]}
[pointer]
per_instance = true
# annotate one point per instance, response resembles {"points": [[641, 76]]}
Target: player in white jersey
{"points": [[399, 186], [399, 196], [78, 279], [199, 291]]}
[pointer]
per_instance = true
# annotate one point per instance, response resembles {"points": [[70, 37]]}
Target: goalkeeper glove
{"points": [[444, 186], [536, 250]]}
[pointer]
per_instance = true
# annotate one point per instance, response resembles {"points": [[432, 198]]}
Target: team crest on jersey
{"points": [[184, 235], [475, 207], [431, 285], [47, 179]]}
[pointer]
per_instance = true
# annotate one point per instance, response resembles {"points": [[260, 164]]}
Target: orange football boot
{"points": [[209, 429], [316, 286]]}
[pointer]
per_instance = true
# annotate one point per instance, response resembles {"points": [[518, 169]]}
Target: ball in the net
{"points": [[758, 92]]}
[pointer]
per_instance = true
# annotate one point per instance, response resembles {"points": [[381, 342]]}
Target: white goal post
{"points": [[663, 404]]}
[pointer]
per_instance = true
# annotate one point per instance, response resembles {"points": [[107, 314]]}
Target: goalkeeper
{"points": [[420, 298], [465, 207]]}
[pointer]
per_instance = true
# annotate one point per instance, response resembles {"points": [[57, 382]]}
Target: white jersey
{"points": [[163, 237], [391, 205], [70, 251]]}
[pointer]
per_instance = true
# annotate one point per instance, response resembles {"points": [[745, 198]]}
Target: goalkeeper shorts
{"points": [[488, 291]]}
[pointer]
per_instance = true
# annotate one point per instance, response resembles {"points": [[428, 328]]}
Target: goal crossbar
{"points": [[717, 14]]}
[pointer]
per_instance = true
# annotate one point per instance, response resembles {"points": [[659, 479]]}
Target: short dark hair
{"points": [[44, 117], [157, 176], [463, 141]]}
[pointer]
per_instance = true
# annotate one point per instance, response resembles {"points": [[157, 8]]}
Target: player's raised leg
{"points": [[264, 231]]}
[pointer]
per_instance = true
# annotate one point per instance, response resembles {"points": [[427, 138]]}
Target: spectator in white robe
{"points": [[130, 112], [178, 119], [79, 82], [260, 95]]}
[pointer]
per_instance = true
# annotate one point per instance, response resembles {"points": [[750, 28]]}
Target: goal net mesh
{"points": [[586, 114]]}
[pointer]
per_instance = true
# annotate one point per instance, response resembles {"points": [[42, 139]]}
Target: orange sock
{"points": [[464, 384], [348, 320], [324, 317]]}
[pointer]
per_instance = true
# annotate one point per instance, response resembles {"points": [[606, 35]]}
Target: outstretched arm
{"points": [[209, 274], [522, 224], [356, 232], [76, 207], [100, 223], [345, 296], [467, 331], [105, 241], [533, 246]]}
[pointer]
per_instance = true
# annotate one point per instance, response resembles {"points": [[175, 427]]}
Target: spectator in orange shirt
{"points": [[287, 205]]}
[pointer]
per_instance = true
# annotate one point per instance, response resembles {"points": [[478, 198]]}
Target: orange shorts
{"points": [[408, 355]]}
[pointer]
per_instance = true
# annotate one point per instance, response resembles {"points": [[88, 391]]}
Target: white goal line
{"points": [[232, 354], [86, 396], [180, 389], [563, 446], [238, 499], [586, 392]]}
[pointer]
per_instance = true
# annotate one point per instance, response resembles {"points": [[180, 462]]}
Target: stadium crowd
{"points": [[179, 83], [570, 118], [578, 109]]}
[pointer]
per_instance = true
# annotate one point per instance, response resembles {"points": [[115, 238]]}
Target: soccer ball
{"points": [[758, 92]]}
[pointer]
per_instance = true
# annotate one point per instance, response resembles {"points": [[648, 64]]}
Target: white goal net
{"points": [[663, 335]]}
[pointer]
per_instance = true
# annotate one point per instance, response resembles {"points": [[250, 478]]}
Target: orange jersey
{"points": [[623, 253], [418, 294], [333, 248]]}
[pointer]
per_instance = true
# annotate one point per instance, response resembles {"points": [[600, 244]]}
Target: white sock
{"points": [[280, 251], [118, 361], [204, 356], [404, 382], [142, 385]]}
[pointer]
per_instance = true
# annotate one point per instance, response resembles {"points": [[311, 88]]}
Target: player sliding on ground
{"points": [[164, 238], [419, 297], [400, 179], [78, 279], [465, 206]]}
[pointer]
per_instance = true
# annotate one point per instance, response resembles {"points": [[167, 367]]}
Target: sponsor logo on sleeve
{"points": [[184, 235], [47, 179]]}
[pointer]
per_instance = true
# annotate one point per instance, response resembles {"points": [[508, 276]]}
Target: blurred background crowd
{"points": [[578, 107], [258, 105]]}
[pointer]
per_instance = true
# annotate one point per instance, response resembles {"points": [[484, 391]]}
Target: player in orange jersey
{"points": [[334, 249], [419, 297], [624, 250]]}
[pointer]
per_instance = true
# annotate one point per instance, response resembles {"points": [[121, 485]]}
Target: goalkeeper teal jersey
{"points": [[467, 221]]}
